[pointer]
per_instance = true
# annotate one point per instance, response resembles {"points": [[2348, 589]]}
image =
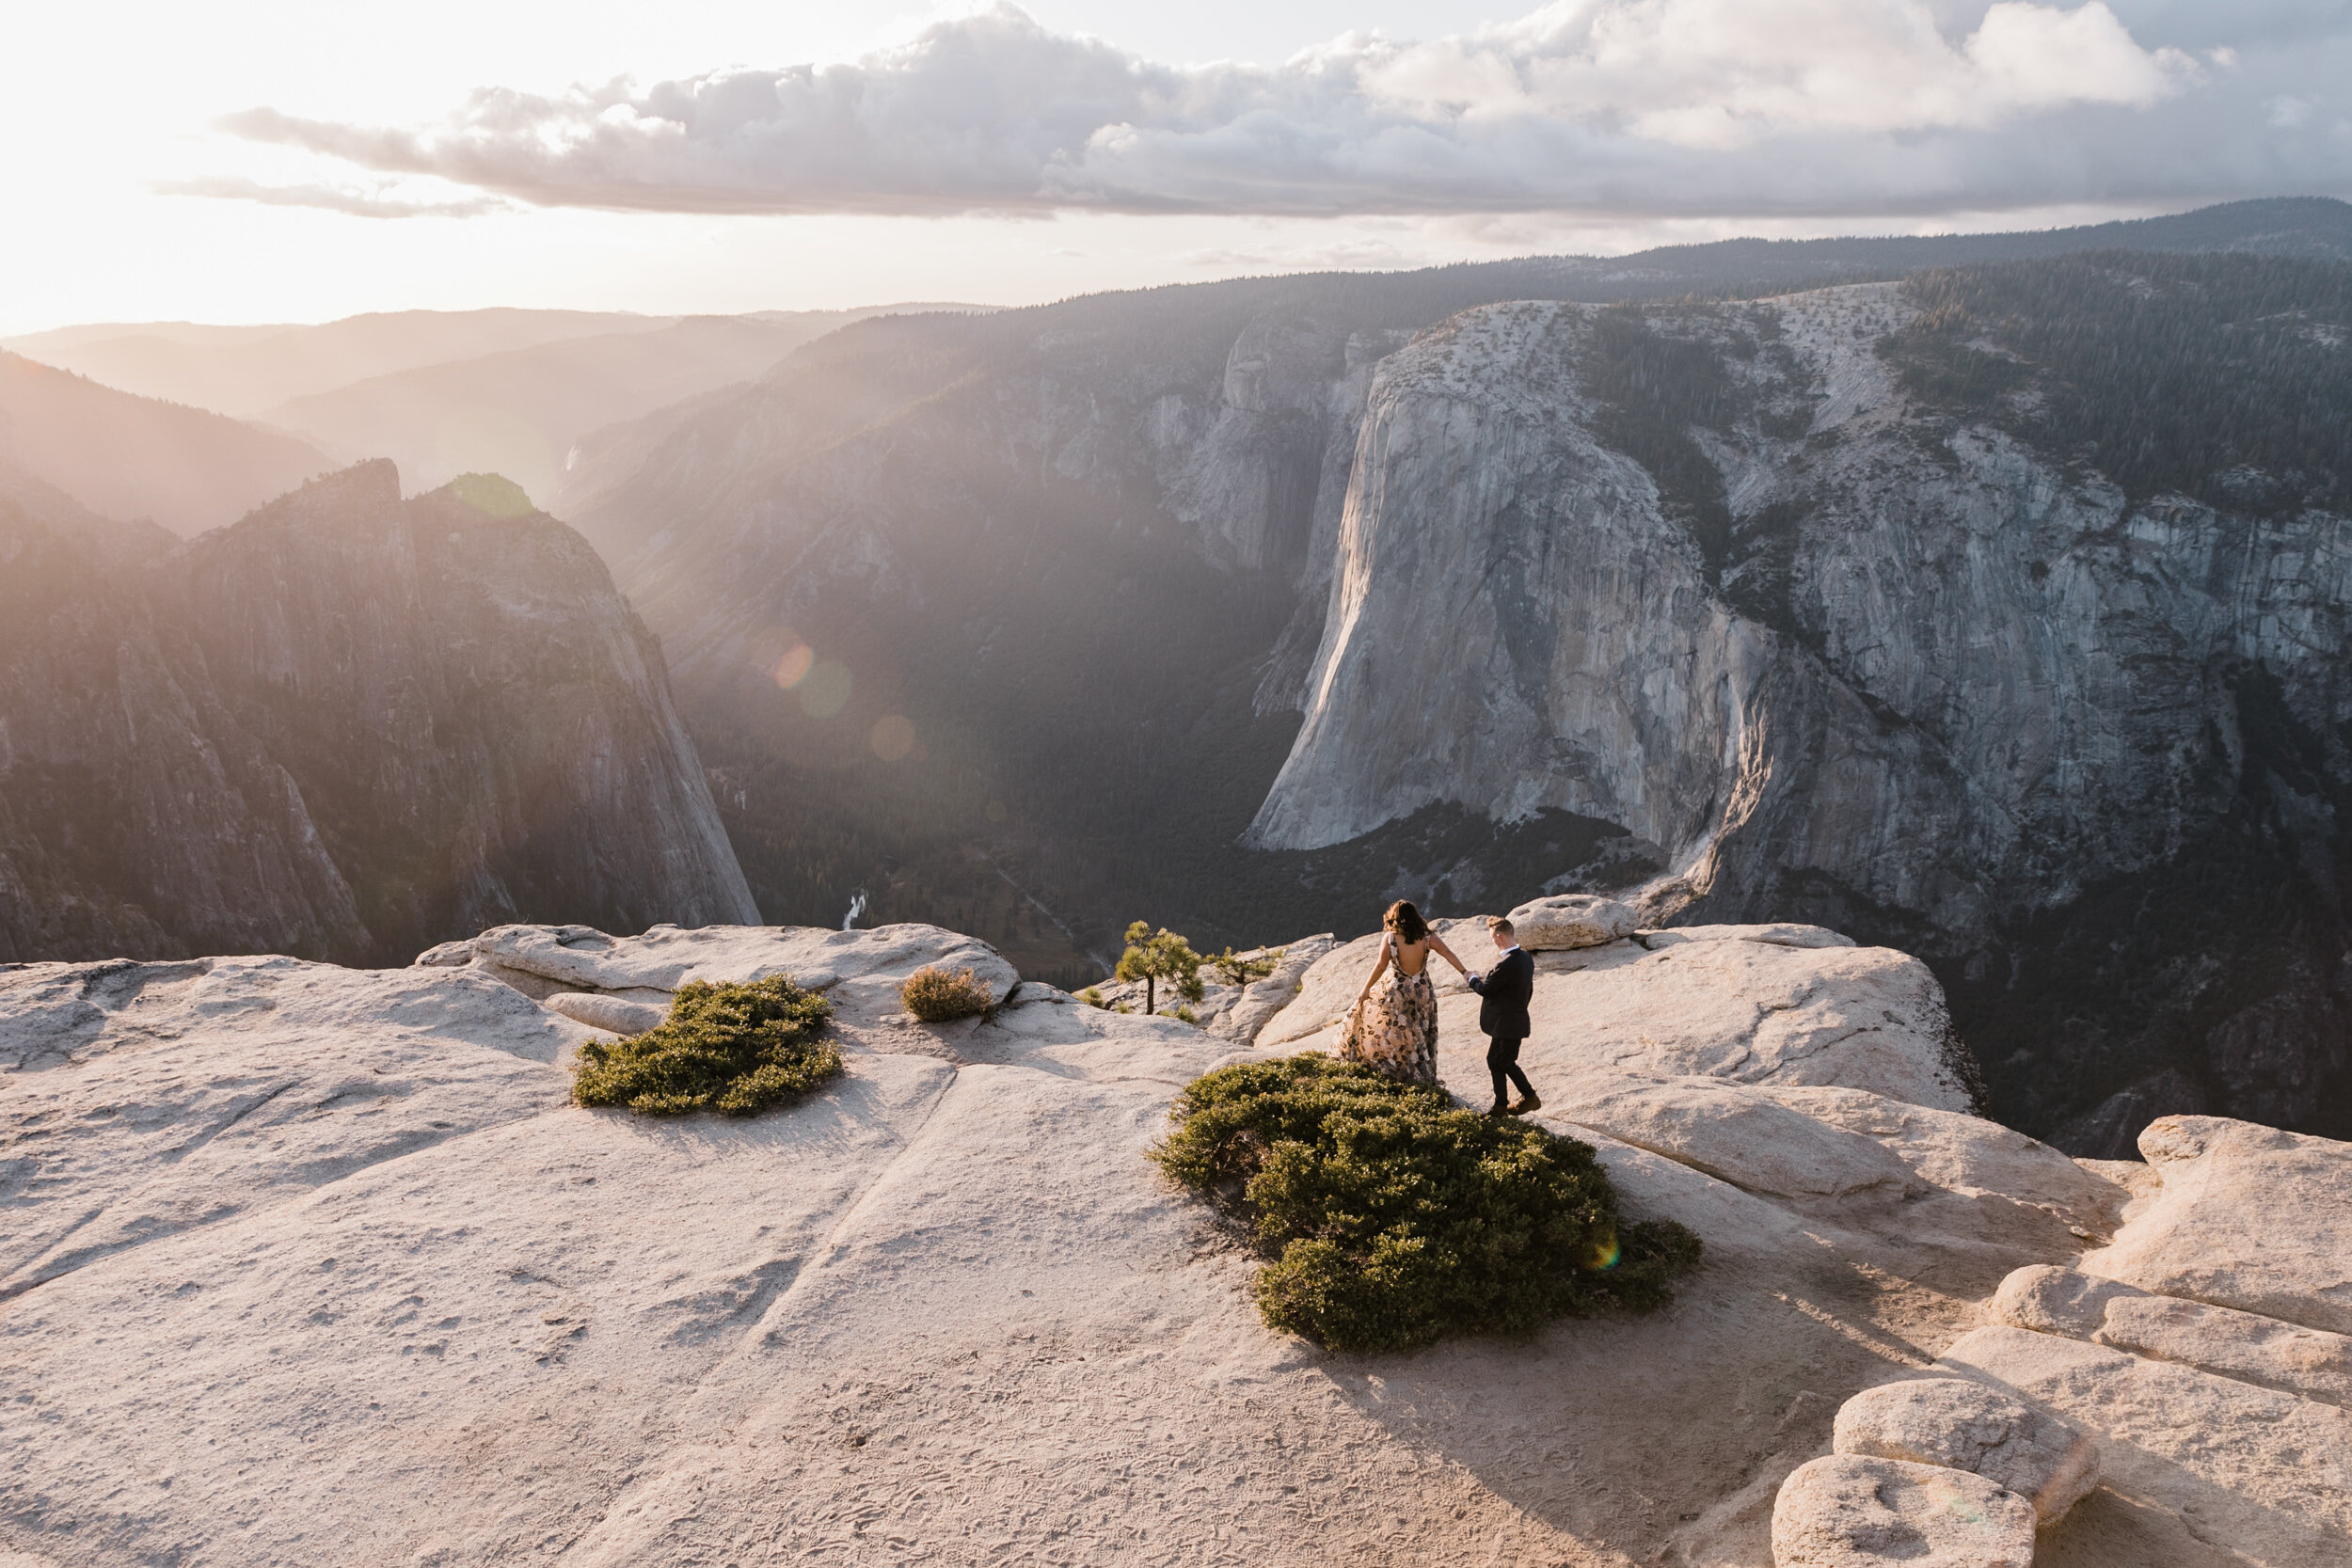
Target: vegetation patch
{"points": [[736, 1049], [1389, 1217], [1153, 957], [938, 995], [2220, 377]]}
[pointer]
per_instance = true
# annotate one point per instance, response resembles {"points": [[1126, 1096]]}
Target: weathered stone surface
{"points": [[1745, 1008], [2249, 1218], [1849, 1511], [1968, 1425], [600, 1012], [2309, 1362], [1778, 934], [860, 971], [362, 1286], [2049, 1298], [1241, 1019], [185, 1095], [1969, 1155], [1731, 1132], [1570, 920], [2266, 1473]]}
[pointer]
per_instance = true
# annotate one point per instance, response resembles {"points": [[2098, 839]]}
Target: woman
{"points": [[1396, 1032]]}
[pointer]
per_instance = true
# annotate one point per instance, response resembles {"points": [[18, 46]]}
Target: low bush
{"points": [[737, 1049], [937, 995], [1388, 1216]]}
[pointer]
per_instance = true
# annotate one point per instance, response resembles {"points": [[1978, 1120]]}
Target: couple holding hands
{"points": [[1393, 1028]]}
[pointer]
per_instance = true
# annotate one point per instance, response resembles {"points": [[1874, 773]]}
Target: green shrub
{"points": [[1183, 1014], [1388, 1216], [937, 995], [1236, 970], [738, 1050], [1092, 997]]}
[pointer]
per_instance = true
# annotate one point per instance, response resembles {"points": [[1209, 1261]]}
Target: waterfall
{"points": [[857, 907]]}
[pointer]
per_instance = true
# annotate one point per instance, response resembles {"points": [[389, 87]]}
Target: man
{"points": [[1504, 992]]}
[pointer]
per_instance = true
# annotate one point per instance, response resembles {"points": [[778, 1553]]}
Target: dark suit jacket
{"points": [[1505, 991]]}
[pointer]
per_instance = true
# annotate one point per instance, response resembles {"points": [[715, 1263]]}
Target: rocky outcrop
{"points": [[401, 1299], [348, 726], [1848, 1512], [1965, 1425], [1773, 1005], [1874, 690], [2216, 1434]]}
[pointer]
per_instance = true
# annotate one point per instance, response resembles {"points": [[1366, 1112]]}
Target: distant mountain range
{"points": [[504, 391], [127, 456]]}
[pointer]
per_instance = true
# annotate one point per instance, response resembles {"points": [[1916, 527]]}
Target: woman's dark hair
{"points": [[1405, 922]]}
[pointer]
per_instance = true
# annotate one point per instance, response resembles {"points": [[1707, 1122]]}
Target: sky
{"points": [[265, 160]]}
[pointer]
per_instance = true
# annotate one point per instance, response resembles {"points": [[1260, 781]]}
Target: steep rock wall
{"points": [[1918, 679], [346, 726]]}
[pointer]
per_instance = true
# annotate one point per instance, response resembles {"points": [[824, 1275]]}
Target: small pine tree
{"points": [[1236, 970], [1152, 956]]}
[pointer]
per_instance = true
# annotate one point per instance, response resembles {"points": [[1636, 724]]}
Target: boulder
{"points": [[1570, 920], [1967, 1425], [2267, 1472], [2309, 1362], [599, 1010], [2249, 1218], [1247, 1016], [2051, 1299], [1847, 1511], [1756, 1010], [1746, 1008], [1969, 1156]]}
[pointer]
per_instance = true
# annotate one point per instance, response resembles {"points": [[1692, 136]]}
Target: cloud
{"points": [[1652, 108], [332, 198]]}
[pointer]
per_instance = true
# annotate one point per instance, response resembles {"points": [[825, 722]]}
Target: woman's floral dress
{"points": [[1394, 1030]]}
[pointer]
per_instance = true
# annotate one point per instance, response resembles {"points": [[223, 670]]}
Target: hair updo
{"points": [[1405, 922]]}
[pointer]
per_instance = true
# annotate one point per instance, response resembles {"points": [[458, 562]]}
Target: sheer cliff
{"points": [[1994, 613], [346, 726], [1851, 647]]}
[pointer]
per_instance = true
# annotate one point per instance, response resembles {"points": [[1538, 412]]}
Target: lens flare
{"points": [[892, 737], [825, 691], [1600, 1252], [792, 668]]}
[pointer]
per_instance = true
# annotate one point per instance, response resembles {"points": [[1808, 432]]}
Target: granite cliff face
{"points": [[346, 726], [2008, 631], [1933, 682]]}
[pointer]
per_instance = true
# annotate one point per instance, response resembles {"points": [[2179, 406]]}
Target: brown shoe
{"points": [[1527, 1106], [1498, 1109]]}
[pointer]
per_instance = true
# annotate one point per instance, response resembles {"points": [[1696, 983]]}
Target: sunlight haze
{"points": [[1400, 133]]}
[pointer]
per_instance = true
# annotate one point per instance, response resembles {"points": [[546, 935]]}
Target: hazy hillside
{"points": [[520, 413], [128, 456], [244, 371], [1014, 622], [350, 726]]}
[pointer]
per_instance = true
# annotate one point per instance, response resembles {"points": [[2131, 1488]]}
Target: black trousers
{"points": [[1502, 1060]]}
